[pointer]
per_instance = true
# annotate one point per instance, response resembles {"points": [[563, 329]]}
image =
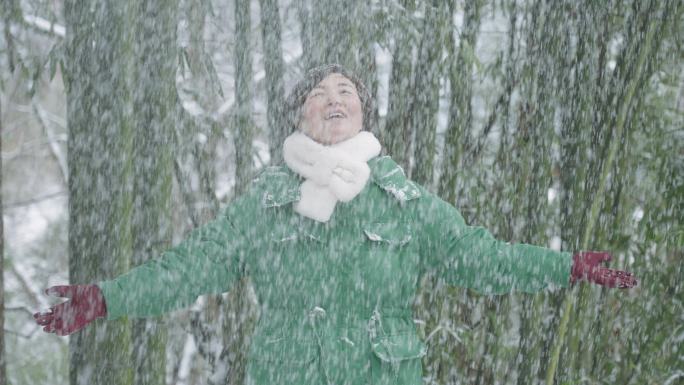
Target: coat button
{"points": [[317, 312]]}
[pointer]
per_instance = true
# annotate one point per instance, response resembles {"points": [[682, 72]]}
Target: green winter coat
{"points": [[335, 297]]}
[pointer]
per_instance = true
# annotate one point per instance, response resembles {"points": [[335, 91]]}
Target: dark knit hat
{"points": [[314, 76]]}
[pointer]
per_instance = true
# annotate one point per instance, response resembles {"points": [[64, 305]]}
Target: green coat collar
{"points": [[279, 185], [391, 178]]}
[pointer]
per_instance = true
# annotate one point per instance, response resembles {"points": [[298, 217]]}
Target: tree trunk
{"points": [[533, 139], [458, 137], [426, 92], [3, 357], [243, 125], [616, 126], [274, 68], [240, 313], [154, 101], [100, 165], [303, 12], [396, 134], [334, 30]]}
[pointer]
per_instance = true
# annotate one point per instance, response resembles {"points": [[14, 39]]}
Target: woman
{"points": [[335, 242]]}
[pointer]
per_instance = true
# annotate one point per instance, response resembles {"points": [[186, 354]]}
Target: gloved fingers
{"points": [[53, 327], [65, 327], [615, 278], [63, 291], [626, 280], [50, 325], [44, 318]]}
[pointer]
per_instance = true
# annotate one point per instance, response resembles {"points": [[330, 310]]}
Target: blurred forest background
{"points": [[559, 123]]}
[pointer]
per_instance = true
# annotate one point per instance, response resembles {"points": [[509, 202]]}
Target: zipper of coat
{"points": [[314, 315]]}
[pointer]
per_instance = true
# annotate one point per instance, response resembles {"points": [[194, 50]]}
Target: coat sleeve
{"points": [[208, 261], [471, 257]]}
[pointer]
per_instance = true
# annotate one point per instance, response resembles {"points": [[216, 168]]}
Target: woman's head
{"points": [[329, 105]]}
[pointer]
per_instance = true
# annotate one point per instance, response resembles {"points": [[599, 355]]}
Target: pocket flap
{"points": [[395, 234], [399, 347], [294, 236], [282, 350]]}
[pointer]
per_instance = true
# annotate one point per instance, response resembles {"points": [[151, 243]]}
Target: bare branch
{"points": [[32, 201], [503, 99], [44, 26], [22, 309], [27, 336], [60, 157], [23, 281]]}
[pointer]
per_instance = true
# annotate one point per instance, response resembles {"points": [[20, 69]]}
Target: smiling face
{"points": [[332, 111]]}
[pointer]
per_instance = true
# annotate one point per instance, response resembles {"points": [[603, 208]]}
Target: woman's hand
{"points": [[586, 265], [85, 304]]}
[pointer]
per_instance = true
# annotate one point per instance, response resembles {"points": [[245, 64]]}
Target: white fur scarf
{"points": [[333, 173]]}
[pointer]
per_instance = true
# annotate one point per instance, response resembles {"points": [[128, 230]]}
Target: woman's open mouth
{"points": [[335, 115]]}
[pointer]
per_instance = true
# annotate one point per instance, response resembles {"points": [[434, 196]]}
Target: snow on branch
{"points": [[44, 25]]}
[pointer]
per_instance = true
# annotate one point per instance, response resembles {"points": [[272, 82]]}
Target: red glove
{"points": [[586, 266], [85, 304]]}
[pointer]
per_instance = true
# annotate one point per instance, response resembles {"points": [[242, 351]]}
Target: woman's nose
{"points": [[333, 99]]}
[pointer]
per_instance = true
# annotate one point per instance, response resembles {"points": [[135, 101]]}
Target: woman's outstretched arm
{"points": [[470, 256], [208, 261]]}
